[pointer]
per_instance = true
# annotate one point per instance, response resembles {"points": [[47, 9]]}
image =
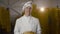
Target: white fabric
{"points": [[27, 23], [27, 4]]}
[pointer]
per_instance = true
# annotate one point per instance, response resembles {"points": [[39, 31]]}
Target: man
{"points": [[27, 24]]}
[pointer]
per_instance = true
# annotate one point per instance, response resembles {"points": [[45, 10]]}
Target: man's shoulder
{"points": [[34, 18], [19, 19]]}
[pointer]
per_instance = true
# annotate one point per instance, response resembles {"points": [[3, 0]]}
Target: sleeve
{"points": [[38, 27], [16, 29]]}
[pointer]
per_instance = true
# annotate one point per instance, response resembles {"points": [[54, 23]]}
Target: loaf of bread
{"points": [[29, 32]]}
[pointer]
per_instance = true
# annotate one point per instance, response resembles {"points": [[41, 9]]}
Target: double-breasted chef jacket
{"points": [[27, 23]]}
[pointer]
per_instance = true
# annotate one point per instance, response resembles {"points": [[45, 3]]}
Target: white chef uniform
{"points": [[27, 23]]}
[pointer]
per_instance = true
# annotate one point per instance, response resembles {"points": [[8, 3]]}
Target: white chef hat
{"points": [[29, 3]]}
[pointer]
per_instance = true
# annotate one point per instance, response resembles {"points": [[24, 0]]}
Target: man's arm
{"points": [[38, 27], [16, 29]]}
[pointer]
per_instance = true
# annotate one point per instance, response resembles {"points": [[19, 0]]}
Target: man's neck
{"points": [[27, 15]]}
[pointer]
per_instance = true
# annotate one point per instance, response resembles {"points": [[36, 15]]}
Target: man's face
{"points": [[28, 10]]}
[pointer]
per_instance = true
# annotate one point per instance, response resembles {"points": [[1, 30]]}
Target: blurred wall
{"points": [[5, 20]]}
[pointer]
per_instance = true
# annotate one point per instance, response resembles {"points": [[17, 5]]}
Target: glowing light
{"points": [[42, 9]]}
